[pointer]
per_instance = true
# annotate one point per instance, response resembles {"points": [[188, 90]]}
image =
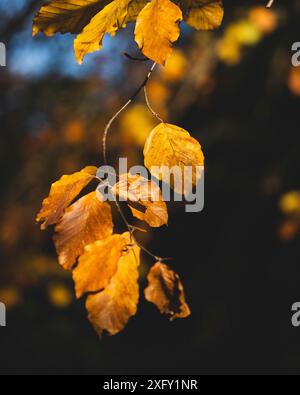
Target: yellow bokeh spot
{"points": [[290, 203], [59, 295]]}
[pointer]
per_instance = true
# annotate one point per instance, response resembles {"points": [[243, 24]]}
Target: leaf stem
{"points": [[150, 107]]}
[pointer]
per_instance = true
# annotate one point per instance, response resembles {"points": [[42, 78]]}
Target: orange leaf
{"points": [[157, 27], [61, 195], [165, 290], [147, 197], [85, 222], [98, 264], [111, 309]]}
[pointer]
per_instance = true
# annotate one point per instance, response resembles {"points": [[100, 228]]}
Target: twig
{"points": [[270, 3], [131, 229], [108, 126]]}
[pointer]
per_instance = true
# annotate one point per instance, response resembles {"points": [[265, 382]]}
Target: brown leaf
{"points": [[157, 27], [165, 290], [98, 264], [145, 197], [203, 14], [61, 195], [111, 309], [85, 222]]}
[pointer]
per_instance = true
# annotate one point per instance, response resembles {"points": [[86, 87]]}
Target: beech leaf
{"points": [[62, 194], [157, 27], [85, 222], [165, 290], [111, 309]]}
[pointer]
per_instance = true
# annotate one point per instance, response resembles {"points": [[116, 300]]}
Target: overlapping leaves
{"points": [[157, 22]]}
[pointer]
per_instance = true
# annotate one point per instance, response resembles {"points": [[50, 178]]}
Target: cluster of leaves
{"points": [[157, 22], [105, 265]]}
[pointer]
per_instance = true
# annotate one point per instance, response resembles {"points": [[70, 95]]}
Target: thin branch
{"points": [[270, 3], [132, 229], [111, 121]]}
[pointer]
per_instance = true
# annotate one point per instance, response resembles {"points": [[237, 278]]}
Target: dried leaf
{"points": [[203, 14], [108, 20], [157, 27], [98, 264], [145, 197], [65, 16], [61, 195], [111, 309], [165, 290], [85, 222], [169, 147]]}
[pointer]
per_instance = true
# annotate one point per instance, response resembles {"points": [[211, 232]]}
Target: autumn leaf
{"points": [[108, 20], [169, 147], [157, 27], [111, 309], [203, 14], [65, 16], [98, 264], [145, 197], [135, 7], [85, 222], [62, 194], [165, 290]]}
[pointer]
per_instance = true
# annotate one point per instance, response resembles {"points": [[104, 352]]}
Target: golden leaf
{"points": [[61, 195], [170, 149], [165, 290], [203, 14], [111, 309], [84, 222], [65, 16], [98, 264], [157, 27], [145, 197], [108, 20]]}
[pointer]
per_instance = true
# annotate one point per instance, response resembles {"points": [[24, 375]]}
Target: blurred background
{"points": [[237, 93]]}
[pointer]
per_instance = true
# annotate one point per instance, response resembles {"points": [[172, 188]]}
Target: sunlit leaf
{"points": [[170, 147], [157, 27], [61, 195], [165, 290], [111, 309], [108, 20], [85, 222], [98, 264]]}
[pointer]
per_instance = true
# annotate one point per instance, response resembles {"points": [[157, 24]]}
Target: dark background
{"points": [[238, 259]]}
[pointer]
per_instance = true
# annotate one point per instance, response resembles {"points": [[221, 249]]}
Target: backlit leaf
{"points": [[169, 147], [66, 16], [111, 309], [108, 20], [144, 197], [85, 222], [157, 27], [165, 290], [61, 195], [98, 264], [203, 14]]}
